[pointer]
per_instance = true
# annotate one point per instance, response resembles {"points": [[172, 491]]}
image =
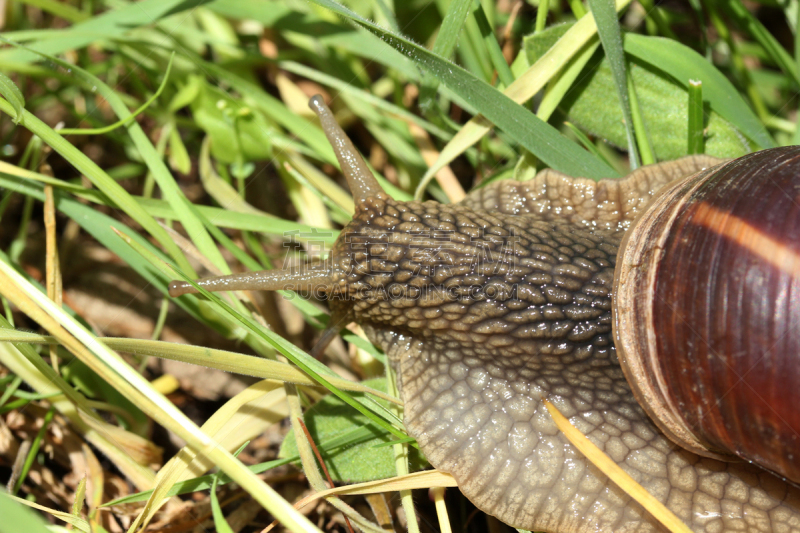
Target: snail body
{"points": [[486, 306]]}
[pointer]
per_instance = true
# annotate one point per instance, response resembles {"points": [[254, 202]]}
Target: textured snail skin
{"points": [[486, 306]]}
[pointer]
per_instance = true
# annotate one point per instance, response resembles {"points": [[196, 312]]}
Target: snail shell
{"points": [[707, 310]]}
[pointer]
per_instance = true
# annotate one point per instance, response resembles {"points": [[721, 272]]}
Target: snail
{"points": [[539, 289]]}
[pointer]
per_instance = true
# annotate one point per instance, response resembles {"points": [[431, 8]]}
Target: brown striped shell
{"points": [[707, 310]]}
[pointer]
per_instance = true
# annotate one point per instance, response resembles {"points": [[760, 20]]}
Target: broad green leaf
{"points": [[355, 462], [187, 93], [681, 64], [17, 517], [538, 44], [663, 103], [684, 64]]}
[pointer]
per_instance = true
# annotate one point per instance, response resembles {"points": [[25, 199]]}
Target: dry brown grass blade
{"points": [[53, 264], [445, 177]]}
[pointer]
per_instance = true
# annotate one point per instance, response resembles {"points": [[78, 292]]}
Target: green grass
{"points": [[207, 100]]}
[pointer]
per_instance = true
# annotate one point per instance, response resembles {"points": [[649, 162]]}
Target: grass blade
{"points": [[11, 92], [695, 126], [446, 41], [609, 32], [537, 136], [109, 25], [770, 44], [103, 181], [138, 390], [523, 88], [493, 47], [642, 135]]}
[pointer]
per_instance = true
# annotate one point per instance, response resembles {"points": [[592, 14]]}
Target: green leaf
{"points": [[493, 47], [537, 44], [11, 92], [187, 93], [237, 132], [179, 159], [518, 122], [17, 517], [59, 9], [541, 15], [639, 127], [33, 452], [584, 140], [564, 80], [446, 41], [109, 25], [681, 63], [684, 64], [220, 523], [356, 461], [663, 103]]}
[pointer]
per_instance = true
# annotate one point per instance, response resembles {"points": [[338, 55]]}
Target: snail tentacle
{"points": [[362, 182], [304, 280]]}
